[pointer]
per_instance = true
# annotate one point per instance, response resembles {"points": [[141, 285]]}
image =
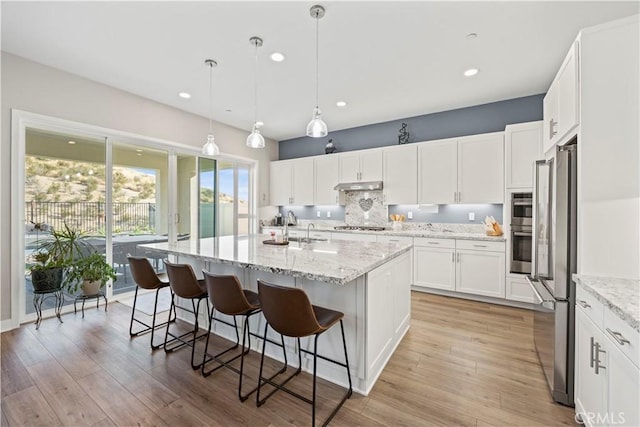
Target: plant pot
{"points": [[46, 279], [90, 287]]}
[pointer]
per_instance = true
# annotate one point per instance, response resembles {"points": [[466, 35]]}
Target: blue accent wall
{"points": [[474, 120]]}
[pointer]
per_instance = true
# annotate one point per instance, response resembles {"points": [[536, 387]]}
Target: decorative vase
{"points": [[91, 287], [397, 225]]}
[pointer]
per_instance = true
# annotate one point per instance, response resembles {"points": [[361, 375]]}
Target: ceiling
{"points": [[388, 60]]}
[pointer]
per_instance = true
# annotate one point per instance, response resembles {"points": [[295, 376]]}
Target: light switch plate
{"points": [[328, 214], [472, 216], [318, 214], [409, 215]]}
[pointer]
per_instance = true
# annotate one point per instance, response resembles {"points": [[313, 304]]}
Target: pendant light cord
{"points": [[255, 88], [210, 98], [317, 61]]}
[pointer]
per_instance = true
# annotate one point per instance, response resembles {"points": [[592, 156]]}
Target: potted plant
{"points": [[53, 257], [89, 273]]}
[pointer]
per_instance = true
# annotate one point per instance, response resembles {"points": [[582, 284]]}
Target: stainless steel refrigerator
{"points": [[553, 264]]}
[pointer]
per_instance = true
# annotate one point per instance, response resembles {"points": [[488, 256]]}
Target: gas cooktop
{"points": [[358, 227]]}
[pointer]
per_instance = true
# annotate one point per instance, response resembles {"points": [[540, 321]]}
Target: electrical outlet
{"points": [[409, 215], [328, 214], [472, 216], [318, 214]]}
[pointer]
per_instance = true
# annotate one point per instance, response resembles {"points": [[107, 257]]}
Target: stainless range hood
{"points": [[359, 186]]}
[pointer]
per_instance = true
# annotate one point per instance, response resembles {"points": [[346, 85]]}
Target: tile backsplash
{"points": [[365, 208]]}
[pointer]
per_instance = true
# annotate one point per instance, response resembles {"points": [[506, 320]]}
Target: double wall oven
{"points": [[521, 226]]}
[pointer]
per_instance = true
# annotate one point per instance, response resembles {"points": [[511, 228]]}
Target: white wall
{"points": [[36, 88]]}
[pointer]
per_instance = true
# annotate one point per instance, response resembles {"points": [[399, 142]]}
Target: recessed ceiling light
{"points": [[72, 142], [259, 123], [228, 110], [471, 72], [277, 57], [138, 150], [341, 103], [471, 36], [184, 95], [138, 154]]}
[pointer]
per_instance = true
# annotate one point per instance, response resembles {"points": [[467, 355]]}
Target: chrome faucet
{"points": [[308, 227]]}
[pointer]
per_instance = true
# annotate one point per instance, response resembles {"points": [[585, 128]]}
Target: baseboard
{"points": [[8, 324], [479, 298]]}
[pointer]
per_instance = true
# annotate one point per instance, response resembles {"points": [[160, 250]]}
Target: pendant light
{"points": [[317, 128], [210, 148], [255, 139]]}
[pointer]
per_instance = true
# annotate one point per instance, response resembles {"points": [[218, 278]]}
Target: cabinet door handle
{"points": [[336, 200], [597, 358], [455, 196], [591, 347], [453, 257], [458, 256], [552, 131], [459, 196], [583, 304], [620, 339]]}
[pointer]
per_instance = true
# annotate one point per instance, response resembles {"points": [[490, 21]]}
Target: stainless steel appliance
{"points": [[521, 220], [553, 263]]}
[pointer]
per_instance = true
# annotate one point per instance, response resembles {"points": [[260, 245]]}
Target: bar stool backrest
{"points": [[183, 280], [288, 310], [143, 273], [226, 294]]}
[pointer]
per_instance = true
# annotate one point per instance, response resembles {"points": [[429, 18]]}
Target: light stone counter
{"points": [[621, 296], [435, 233], [338, 261]]}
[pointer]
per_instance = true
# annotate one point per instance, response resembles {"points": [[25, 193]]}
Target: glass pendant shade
{"points": [[210, 148], [255, 138], [317, 128]]}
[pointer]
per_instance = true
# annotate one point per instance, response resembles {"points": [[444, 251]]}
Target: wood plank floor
{"points": [[461, 363]]}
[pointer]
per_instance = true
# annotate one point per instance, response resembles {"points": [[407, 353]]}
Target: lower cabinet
{"points": [[474, 267], [606, 371]]}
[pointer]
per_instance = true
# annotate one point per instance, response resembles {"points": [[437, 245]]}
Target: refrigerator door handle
{"points": [[548, 303], [534, 218]]}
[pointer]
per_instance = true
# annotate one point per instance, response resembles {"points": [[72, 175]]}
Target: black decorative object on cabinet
{"points": [[330, 148], [403, 134]]}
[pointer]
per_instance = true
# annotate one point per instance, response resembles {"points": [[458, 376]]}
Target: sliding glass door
{"points": [[235, 209]]}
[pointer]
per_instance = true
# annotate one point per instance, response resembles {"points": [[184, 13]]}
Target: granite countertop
{"points": [[337, 261], [621, 296], [436, 234]]}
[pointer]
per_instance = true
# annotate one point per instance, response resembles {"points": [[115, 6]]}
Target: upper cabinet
{"points": [[523, 146], [327, 176], [481, 168], [463, 170], [438, 172], [560, 106], [361, 166], [292, 182], [400, 175]]}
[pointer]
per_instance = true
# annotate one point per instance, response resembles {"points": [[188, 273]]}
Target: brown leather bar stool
{"points": [[289, 312], [146, 278], [184, 284], [227, 297]]}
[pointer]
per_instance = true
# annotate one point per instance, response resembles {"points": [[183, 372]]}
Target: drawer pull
{"points": [[479, 246], [583, 304], [618, 337], [433, 243]]}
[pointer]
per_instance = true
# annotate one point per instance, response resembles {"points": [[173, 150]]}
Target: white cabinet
{"points": [[292, 182], [606, 359], [590, 384], [357, 166], [400, 175], [481, 169], [560, 105], [434, 265], [354, 236], [517, 289], [523, 146], [438, 172], [463, 170], [480, 268], [327, 170], [473, 267]]}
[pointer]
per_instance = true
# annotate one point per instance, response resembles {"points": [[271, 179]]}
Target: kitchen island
{"points": [[370, 282]]}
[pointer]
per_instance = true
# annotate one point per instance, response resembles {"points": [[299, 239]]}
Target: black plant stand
{"points": [[83, 298], [38, 298]]}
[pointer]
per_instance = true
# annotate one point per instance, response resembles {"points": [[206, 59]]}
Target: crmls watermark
{"points": [[599, 418]]}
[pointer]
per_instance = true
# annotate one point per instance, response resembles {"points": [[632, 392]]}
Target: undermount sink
{"points": [[304, 239]]}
